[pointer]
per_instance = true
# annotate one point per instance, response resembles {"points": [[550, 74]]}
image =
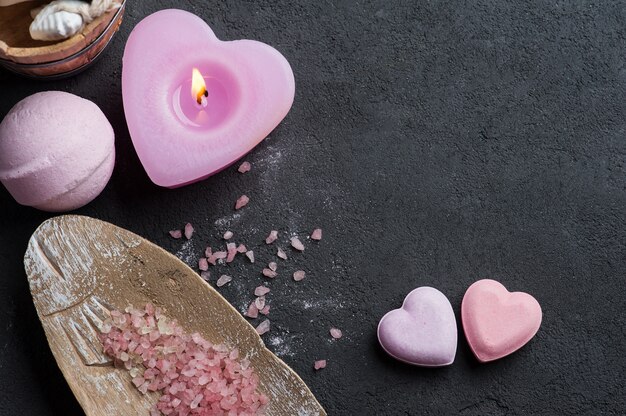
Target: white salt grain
{"points": [[280, 253], [299, 275], [273, 266], [228, 235]]}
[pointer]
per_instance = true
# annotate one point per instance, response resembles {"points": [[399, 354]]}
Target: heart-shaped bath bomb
{"points": [[250, 88], [422, 332], [498, 322]]}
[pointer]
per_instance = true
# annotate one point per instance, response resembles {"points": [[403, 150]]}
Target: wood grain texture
{"points": [[79, 268]]}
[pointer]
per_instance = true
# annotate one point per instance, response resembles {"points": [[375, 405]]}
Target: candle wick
{"points": [[202, 97]]}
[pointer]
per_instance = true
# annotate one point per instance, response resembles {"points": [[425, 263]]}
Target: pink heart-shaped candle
{"points": [[423, 332], [497, 322], [187, 124]]}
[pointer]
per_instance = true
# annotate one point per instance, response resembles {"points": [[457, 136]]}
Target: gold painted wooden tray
{"points": [[79, 267]]}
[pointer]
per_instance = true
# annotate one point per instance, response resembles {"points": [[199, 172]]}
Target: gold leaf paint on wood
{"points": [[79, 268]]}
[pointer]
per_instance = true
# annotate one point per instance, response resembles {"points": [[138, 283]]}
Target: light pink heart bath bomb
{"points": [[498, 322], [423, 332]]}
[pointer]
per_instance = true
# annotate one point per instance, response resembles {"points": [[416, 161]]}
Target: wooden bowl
{"points": [[39, 59]]}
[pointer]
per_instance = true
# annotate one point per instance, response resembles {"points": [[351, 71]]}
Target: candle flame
{"points": [[198, 87]]}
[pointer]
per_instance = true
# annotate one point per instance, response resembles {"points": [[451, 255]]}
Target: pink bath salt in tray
{"points": [[192, 375]]}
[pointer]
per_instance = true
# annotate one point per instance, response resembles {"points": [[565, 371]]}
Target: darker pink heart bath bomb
{"points": [[498, 322]]}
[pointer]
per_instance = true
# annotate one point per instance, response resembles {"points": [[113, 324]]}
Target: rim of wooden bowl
{"points": [[64, 49], [51, 71]]}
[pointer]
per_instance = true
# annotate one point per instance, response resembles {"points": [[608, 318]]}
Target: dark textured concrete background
{"points": [[436, 143]]}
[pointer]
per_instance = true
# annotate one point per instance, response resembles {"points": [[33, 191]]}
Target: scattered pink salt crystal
{"points": [[269, 273], [336, 333], [259, 302], [220, 255], [261, 291], [253, 311], [280, 253], [188, 231], [176, 234], [228, 235], [232, 252], [272, 237], [273, 266], [319, 364], [205, 275], [298, 275], [250, 255], [265, 310], [241, 248], [208, 251], [223, 280], [263, 327], [203, 264], [242, 202], [297, 244], [316, 234], [244, 167]]}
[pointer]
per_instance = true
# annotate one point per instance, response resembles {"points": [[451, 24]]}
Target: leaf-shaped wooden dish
{"points": [[79, 267]]}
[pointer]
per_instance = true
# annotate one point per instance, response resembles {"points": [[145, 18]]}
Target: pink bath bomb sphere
{"points": [[56, 151]]}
